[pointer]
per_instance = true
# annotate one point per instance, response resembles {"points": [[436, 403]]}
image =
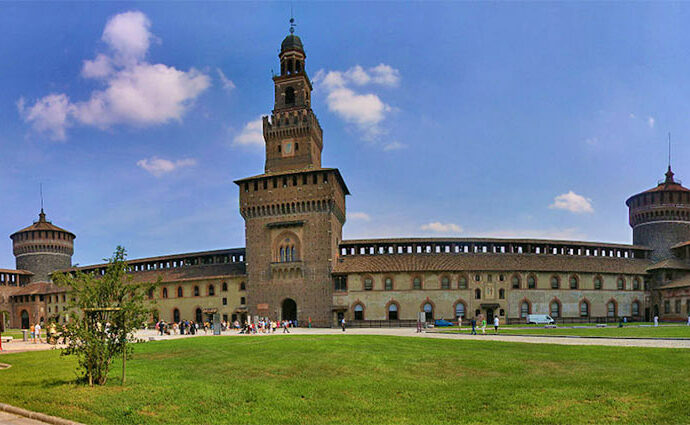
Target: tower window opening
{"points": [[289, 96]]}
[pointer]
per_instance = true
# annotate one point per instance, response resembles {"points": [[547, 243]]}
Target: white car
{"points": [[540, 319]]}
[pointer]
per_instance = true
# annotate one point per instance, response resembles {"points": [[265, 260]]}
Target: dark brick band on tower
{"points": [[43, 248], [294, 212]]}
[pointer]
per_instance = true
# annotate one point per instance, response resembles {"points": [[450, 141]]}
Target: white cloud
{"points": [[438, 227], [651, 121], [358, 216], [385, 75], [393, 146], [136, 92], [592, 141], [160, 166], [251, 135], [227, 84], [365, 111], [48, 115], [572, 202]]}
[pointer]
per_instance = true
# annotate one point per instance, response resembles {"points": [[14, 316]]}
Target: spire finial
{"points": [[41, 190], [292, 22], [669, 173]]}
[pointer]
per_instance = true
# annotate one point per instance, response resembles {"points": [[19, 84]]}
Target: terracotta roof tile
{"points": [[491, 241], [39, 288], [678, 283], [670, 263]]}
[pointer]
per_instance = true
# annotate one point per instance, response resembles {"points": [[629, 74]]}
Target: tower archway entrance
{"points": [[289, 309]]}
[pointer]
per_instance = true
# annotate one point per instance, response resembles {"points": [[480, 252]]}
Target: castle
{"points": [[297, 267]]}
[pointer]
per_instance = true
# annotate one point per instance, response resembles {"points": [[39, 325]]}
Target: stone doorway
{"points": [[25, 319], [289, 309]]}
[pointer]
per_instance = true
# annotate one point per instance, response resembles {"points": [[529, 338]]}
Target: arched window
{"points": [[620, 283], [459, 311], [531, 282], [428, 312], [555, 282], [501, 294], [462, 282], [477, 294], [392, 311], [198, 316], [584, 308], [196, 291], [388, 284], [417, 283], [293, 257], [555, 309], [359, 312], [225, 287], [445, 282], [636, 284], [211, 290], [180, 294], [524, 309], [282, 254], [598, 283], [289, 96], [176, 315], [368, 284], [165, 293], [635, 309], [573, 282], [611, 309], [515, 281]]}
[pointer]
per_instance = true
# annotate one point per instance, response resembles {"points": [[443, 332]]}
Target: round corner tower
{"points": [[660, 217], [43, 248]]}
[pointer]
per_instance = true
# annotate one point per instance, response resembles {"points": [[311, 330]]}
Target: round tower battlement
{"points": [[43, 248], [660, 217]]}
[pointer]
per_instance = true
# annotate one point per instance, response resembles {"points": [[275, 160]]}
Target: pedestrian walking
{"points": [[496, 322], [656, 321], [483, 325], [342, 324], [688, 319], [473, 322], [285, 327], [37, 330]]}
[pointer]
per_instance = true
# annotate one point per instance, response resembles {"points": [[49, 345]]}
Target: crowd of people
{"points": [[190, 327]]}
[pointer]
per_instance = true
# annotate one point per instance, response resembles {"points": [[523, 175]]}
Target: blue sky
{"points": [[446, 119]]}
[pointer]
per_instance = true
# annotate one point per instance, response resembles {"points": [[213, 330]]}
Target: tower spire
{"points": [[669, 173]]}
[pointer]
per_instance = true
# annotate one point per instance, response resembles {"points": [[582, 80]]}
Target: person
{"points": [[52, 331], [285, 327], [688, 319], [309, 322], [483, 325], [342, 324], [496, 322], [473, 322], [37, 330], [656, 320], [32, 332]]}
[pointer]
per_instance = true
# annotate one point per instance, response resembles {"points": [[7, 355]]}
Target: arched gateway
{"points": [[289, 309]]}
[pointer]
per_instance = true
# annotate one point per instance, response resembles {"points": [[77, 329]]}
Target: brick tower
{"points": [[295, 211], [43, 248]]}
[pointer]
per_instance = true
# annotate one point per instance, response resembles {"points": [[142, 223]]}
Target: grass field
{"points": [[627, 331], [14, 333], [362, 379]]}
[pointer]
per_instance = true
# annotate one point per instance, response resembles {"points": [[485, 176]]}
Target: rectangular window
{"points": [[667, 307], [243, 301], [275, 182], [368, 284], [225, 301], [256, 186], [315, 178], [325, 177], [340, 283], [246, 187], [304, 179], [678, 306], [284, 181], [488, 278], [294, 180], [265, 184]]}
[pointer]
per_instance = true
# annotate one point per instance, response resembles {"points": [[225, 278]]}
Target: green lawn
{"points": [[611, 331], [14, 333], [362, 379]]}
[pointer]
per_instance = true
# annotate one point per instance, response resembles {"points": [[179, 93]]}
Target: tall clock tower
{"points": [[294, 212]]}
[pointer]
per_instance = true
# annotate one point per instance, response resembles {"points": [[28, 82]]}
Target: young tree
{"points": [[106, 311]]}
